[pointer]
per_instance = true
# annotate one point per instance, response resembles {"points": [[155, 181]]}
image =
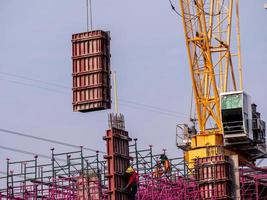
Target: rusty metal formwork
{"points": [[118, 158], [213, 175], [91, 71]]}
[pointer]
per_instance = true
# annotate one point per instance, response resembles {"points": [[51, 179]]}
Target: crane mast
{"points": [[227, 120], [208, 35]]}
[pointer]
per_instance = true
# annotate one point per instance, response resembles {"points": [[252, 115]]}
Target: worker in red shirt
{"points": [[132, 182]]}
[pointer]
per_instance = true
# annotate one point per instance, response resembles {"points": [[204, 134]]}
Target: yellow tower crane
{"points": [[224, 115]]}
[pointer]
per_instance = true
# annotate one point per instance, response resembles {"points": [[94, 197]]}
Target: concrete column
{"points": [[236, 177]]}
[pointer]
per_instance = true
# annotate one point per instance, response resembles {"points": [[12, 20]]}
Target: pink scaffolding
{"points": [[253, 183], [70, 175], [78, 177]]}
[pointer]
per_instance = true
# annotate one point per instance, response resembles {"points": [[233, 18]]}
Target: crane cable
{"points": [[191, 106], [174, 9], [89, 15]]}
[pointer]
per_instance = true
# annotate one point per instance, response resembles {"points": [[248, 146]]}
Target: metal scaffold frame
{"points": [[160, 181], [62, 178], [253, 183], [69, 175]]}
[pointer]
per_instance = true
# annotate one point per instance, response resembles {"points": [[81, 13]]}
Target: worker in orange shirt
{"points": [[166, 164], [132, 181], [158, 172]]}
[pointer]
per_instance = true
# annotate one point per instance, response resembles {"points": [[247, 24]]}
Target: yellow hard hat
{"points": [[129, 170]]}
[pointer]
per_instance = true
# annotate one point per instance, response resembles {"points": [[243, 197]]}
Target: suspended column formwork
{"points": [[91, 71], [118, 158]]}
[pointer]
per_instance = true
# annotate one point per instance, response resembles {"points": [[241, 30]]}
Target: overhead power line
{"points": [[150, 110], [153, 107], [24, 152], [35, 86], [1, 172], [137, 105], [29, 153], [48, 140], [35, 80], [126, 103]]}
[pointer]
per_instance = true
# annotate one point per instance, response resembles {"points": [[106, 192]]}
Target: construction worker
{"points": [[166, 164], [132, 182], [158, 172]]}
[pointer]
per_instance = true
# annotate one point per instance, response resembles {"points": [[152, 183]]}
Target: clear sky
{"points": [[148, 53]]}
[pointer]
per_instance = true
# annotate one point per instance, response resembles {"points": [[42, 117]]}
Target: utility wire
{"points": [[35, 86], [5, 176], [48, 140], [151, 110], [30, 153], [35, 80], [4, 173], [145, 106], [24, 152], [153, 107]]}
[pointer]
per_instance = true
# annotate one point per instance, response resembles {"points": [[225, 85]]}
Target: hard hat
{"points": [[130, 170]]}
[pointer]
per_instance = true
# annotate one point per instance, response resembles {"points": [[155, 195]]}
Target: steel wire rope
{"points": [[174, 9], [191, 103], [49, 140], [89, 13], [179, 14], [87, 16]]}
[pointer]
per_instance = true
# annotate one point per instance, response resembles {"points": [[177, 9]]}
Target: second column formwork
{"points": [[118, 160]]}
